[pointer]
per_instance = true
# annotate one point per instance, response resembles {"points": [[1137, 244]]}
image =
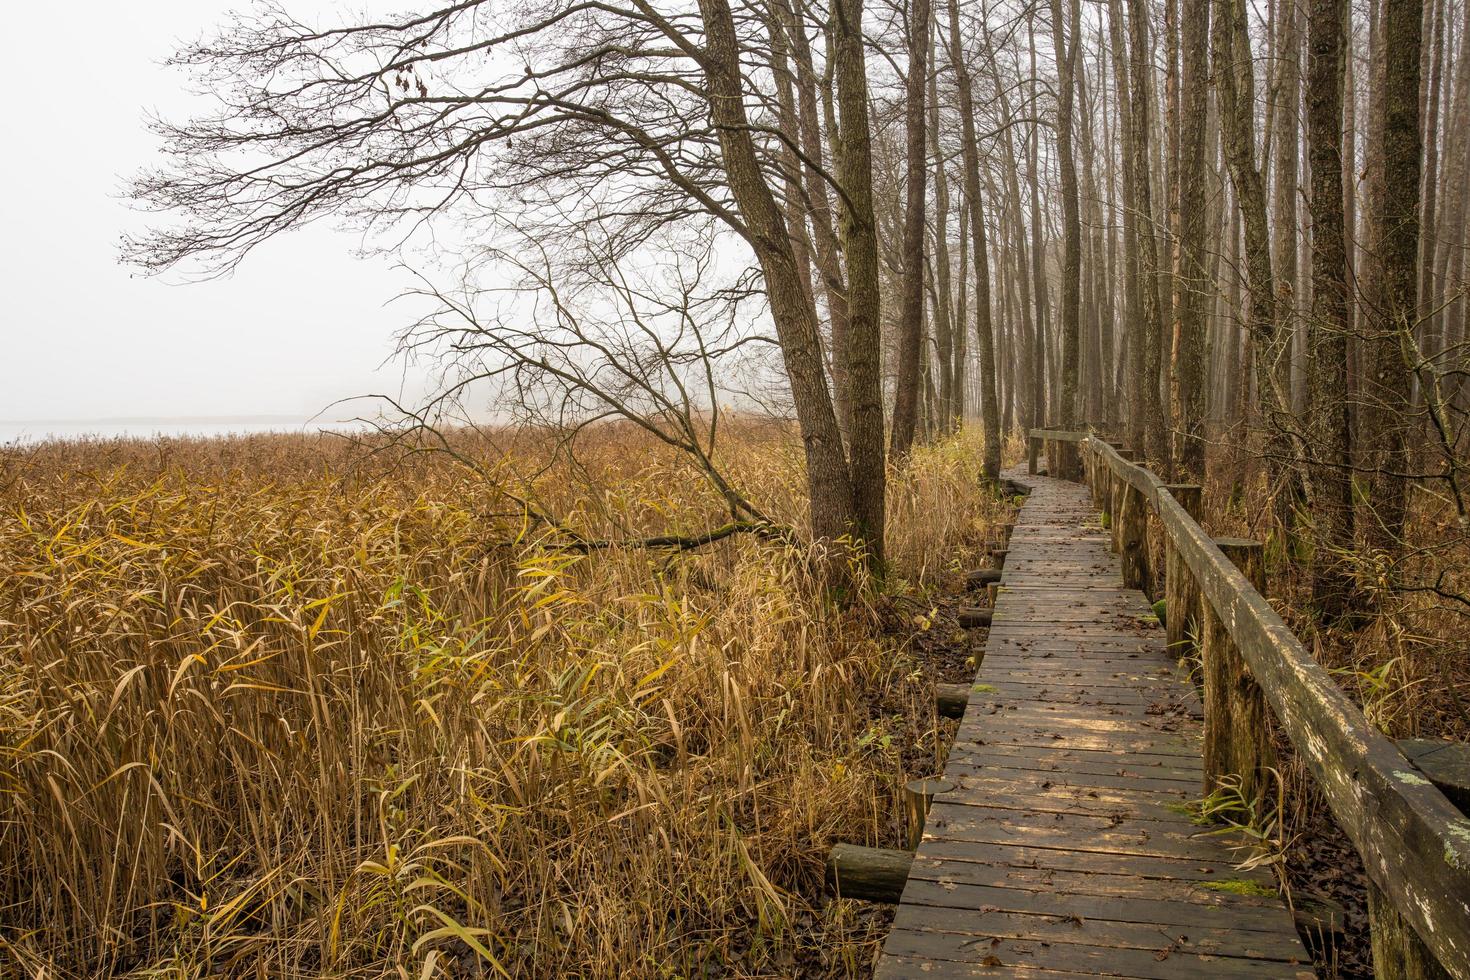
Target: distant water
{"points": [[12, 432]]}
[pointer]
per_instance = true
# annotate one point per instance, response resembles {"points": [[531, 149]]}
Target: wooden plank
{"points": [[1097, 863], [1163, 963], [1203, 939]]}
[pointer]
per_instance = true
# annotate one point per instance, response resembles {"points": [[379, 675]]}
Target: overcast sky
{"points": [[301, 323]]}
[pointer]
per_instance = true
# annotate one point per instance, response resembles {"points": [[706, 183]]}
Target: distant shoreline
{"points": [[33, 432], [165, 420]]}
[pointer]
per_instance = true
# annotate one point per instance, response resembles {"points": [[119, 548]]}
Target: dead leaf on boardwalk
{"points": [[992, 960]]}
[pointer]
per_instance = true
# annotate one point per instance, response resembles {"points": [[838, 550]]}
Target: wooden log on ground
{"points": [[1181, 595], [1236, 738], [950, 700], [971, 618], [981, 577], [1003, 535], [876, 874], [1014, 488], [918, 794], [1318, 919]]}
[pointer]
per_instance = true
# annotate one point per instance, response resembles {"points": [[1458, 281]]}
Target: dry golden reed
{"points": [[272, 707]]}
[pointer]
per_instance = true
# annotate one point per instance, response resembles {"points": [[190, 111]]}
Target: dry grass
{"points": [[270, 710], [1404, 661]]}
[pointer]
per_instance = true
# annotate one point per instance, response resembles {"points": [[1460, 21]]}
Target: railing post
{"points": [[1115, 485], [1102, 488], [1181, 594], [1235, 710], [1133, 535], [1398, 952], [1090, 465], [1033, 448]]}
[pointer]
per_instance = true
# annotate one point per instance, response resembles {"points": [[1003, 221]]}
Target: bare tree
{"points": [[571, 116]]}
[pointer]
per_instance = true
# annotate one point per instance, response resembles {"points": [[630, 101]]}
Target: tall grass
{"points": [[271, 709], [1403, 658]]}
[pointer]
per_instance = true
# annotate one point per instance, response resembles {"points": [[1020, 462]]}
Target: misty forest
{"points": [[912, 488]]}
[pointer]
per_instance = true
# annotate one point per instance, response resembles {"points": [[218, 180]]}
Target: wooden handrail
{"points": [[1415, 843]]}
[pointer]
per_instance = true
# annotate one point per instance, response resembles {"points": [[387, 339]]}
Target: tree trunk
{"points": [[1287, 97], [949, 413], [1152, 438], [1071, 219], [1386, 381], [819, 207], [1187, 389], [1235, 90], [829, 484], [911, 317], [1133, 275], [985, 340], [1329, 445], [1430, 188], [1039, 289], [860, 247]]}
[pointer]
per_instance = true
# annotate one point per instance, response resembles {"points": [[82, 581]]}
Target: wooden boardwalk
{"points": [[1066, 847]]}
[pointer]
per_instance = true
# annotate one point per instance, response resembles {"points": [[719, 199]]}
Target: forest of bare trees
{"points": [[1196, 223]]}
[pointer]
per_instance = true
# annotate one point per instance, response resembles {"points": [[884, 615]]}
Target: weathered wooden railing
{"points": [[1414, 842]]}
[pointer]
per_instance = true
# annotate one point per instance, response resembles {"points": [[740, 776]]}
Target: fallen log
{"points": [[974, 618], [981, 577], [876, 874], [1016, 489], [950, 699]]}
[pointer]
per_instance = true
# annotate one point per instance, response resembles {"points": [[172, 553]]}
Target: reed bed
{"points": [[276, 706]]}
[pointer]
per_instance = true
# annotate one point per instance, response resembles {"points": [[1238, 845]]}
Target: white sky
{"points": [[301, 323]]}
